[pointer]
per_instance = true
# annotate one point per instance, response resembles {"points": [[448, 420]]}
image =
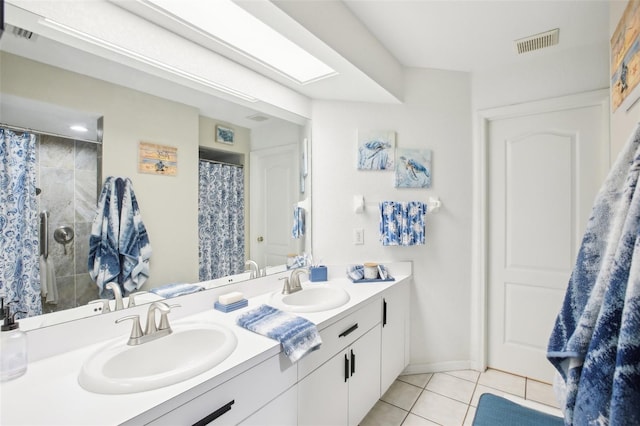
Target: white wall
{"points": [[168, 204], [436, 116]]}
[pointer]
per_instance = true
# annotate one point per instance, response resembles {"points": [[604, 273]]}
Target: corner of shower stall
{"points": [[69, 176]]}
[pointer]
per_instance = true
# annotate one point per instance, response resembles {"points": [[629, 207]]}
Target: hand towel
{"points": [[49, 287], [355, 272], [176, 289], [402, 223], [298, 336], [298, 223]]}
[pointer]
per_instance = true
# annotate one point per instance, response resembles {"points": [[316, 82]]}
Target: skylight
{"points": [[236, 28]]}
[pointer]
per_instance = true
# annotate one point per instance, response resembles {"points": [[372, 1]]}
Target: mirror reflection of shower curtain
{"points": [[19, 253], [220, 220]]}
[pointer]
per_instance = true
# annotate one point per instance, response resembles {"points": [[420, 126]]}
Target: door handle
{"points": [[346, 368], [211, 417], [349, 330], [384, 312], [353, 362]]}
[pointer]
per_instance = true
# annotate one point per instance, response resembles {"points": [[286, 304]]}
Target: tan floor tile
{"points": [[541, 392], [480, 389], [452, 387], [402, 395], [471, 413], [413, 420], [440, 409], [383, 414], [505, 382], [420, 380], [470, 375]]}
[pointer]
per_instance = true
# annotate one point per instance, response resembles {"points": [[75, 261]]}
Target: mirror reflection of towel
{"points": [[48, 285]]}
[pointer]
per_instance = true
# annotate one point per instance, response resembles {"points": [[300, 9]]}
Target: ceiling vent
{"points": [[21, 32], [538, 41], [258, 117]]}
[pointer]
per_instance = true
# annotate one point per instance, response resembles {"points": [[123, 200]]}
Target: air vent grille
{"points": [[538, 41], [21, 32]]}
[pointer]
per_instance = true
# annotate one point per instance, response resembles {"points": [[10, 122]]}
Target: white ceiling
{"points": [[477, 35], [368, 41]]}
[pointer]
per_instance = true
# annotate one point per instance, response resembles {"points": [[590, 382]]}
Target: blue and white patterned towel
{"points": [[119, 249], [298, 223], [595, 344], [355, 272], [298, 336], [402, 224], [176, 289]]}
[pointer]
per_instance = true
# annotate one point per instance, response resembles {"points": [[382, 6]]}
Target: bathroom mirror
{"points": [[56, 74]]}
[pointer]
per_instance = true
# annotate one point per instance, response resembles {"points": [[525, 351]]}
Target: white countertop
{"points": [[49, 393]]}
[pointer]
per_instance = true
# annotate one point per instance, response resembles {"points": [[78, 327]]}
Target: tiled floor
{"points": [[451, 398]]}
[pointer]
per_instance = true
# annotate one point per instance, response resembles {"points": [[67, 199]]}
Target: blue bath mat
{"points": [[497, 411]]}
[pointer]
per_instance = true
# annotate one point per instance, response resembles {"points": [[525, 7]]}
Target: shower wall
{"points": [[68, 176]]}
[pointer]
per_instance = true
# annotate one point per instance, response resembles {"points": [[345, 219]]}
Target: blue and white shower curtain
{"points": [[19, 261], [220, 220]]}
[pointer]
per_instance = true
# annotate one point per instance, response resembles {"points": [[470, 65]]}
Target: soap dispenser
{"points": [[13, 346]]}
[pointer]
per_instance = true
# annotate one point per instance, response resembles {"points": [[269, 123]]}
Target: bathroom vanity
{"points": [[364, 348]]}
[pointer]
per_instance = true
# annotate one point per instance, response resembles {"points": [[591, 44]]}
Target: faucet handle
{"points": [[136, 330], [132, 298], [104, 302], [164, 319]]}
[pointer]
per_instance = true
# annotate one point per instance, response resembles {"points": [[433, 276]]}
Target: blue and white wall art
{"points": [[376, 149], [413, 168]]}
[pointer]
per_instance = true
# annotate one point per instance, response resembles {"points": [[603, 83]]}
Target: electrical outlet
{"points": [[358, 236]]}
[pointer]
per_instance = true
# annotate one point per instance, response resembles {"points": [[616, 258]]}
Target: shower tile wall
{"points": [[68, 178]]}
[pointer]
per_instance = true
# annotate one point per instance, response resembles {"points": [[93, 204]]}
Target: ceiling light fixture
{"points": [[144, 59], [79, 128], [229, 24]]}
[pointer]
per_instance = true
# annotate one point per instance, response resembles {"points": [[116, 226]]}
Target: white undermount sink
{"points": [[312, 298], [190, 350]]}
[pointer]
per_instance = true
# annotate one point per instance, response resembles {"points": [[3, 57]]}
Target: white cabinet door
{"points": [[323, 396], [395, 317], [364, 375], [282, 411], [343, 390]]}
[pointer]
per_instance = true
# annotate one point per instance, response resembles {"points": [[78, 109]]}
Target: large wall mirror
{"points": [[45, 83]]}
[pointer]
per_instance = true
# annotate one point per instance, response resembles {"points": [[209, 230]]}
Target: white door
{"points": [[274, 188], [544, 171]]}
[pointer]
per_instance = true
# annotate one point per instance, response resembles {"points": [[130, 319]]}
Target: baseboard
{"points": [[437, 367]]}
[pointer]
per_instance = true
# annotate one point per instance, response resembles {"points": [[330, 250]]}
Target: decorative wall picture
{"points": [[375, 149], [224, 135], [157, 159], [413, 168], [625, 58]]}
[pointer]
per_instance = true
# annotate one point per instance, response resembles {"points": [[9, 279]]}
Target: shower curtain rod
{"points": [[220, 162], [40, 132]]}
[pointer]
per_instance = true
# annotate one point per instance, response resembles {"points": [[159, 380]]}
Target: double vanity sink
{"points": [[190, 349], [92, 369]]}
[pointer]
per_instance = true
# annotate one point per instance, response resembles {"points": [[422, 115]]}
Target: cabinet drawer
{"points": [[341, 334], [249, 391]]}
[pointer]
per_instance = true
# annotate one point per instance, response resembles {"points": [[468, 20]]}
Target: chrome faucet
{"points": [[152, 330], [253, 267], [292, 284], [117, 294]]}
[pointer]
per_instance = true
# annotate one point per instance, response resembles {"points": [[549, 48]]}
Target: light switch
{"points": [[358, 236]]}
